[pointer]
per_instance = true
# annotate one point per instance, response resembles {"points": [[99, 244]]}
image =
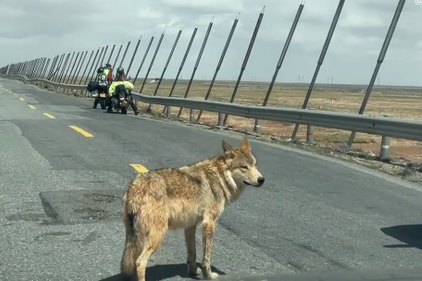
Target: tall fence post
{"points": [[66, 72], [246, 59], [133, 55], [125, 53], [79, 68], [96, 64], [257, 126], [152, 61], [320, 60], [104, 54], [111, 54], [117, 56], [173, 48], [182, 63], [46, 68], [217, 68], [87, 65], [198, 60], [22, 70], [25, 68], [33, 68], [43, 68], [30, 68], [380, 59], [39, 66], [53, 65], [59, 64], [73, 67], [141, 64], [63, 68]]}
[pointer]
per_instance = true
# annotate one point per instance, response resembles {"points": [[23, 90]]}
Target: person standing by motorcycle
{"points": [[103, 83], [109, 73], [120, 79]]}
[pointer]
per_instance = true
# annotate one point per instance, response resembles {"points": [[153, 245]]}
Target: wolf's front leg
{"points": [[191, 250], [208, 229]]}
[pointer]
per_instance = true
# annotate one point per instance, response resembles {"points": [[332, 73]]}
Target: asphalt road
{"points": [[61, 188]]}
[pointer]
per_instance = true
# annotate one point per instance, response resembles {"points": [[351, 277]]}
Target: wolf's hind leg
{"points": [[152, 243], [190, 241]]}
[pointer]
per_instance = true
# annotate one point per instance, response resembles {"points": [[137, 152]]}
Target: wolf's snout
{"points": [[260, 180]]}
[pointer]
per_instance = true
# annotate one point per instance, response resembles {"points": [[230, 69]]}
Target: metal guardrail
{"points": [[377, 125]]}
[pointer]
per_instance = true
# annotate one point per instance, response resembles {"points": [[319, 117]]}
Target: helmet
{"points": [[108, 65], [120, 71], [100, 69]]}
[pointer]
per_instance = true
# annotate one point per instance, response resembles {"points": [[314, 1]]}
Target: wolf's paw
{"points": [[210, 276], [194, 271]]}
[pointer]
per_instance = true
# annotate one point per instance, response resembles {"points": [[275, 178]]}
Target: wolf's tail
{"points": [[134, 246]]}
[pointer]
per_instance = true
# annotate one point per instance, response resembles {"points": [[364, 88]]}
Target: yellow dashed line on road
{"points": [[31, 106], [82, 131], [49, 116], [21, 99], [139, 168]]}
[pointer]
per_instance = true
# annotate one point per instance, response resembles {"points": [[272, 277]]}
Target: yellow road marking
{"points": [[82, 131], [49, 116], [31, 106], [21, 98], [139, 168]]}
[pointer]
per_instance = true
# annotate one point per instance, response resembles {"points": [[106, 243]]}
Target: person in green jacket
{"points": [[114, 87]]}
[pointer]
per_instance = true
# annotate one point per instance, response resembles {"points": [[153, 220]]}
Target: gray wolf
{"points": [[181, 198]]}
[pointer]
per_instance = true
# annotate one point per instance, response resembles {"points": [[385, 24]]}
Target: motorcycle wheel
{"points": [[103, 104], [123, 110]]}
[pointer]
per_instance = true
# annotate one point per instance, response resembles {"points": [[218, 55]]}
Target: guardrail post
{"points": [[220, 119], [385, 148], [191, 117], [168, 110], [310, 134], [257, 126]]}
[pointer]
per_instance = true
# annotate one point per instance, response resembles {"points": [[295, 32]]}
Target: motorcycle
{"points": [[103, 100], [121, 104], [93, 88]]}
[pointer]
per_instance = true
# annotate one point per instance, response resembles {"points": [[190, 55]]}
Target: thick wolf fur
{"points": [[181, 198]]}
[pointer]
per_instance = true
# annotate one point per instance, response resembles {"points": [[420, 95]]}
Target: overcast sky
{"points": [[45, 28]]}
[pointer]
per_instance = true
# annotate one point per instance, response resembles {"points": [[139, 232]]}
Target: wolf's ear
{"points": [[245, 145], [226, 147]]}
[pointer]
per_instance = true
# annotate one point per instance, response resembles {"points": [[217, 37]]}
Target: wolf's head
{"points": [[242, 164]]}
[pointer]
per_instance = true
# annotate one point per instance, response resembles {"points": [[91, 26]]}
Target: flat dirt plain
{"points": [[400, 102]]}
